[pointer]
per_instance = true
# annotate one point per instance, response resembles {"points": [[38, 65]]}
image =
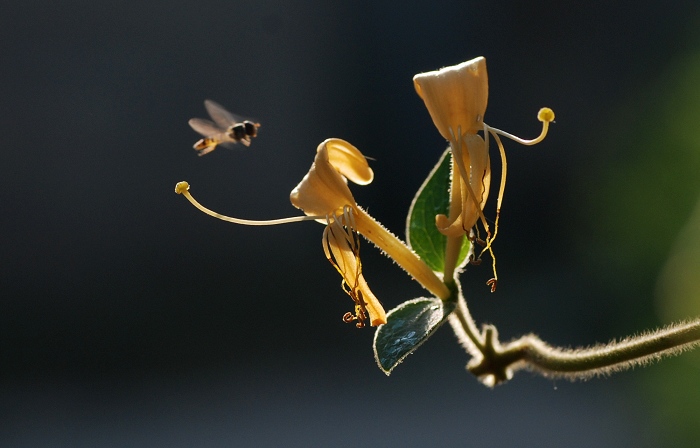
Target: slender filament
{"points": [[183, 189]]}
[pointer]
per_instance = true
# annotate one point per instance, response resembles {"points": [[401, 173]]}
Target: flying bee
{"points": [[226, 129]]}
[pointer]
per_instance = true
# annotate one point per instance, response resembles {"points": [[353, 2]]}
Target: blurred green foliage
{"points": [[645, 219], [649, 176]]}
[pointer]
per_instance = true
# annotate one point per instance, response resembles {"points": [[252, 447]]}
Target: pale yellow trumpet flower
{"points": [[456, 99]]}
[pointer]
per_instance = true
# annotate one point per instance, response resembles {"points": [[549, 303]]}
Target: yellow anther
{"points": [[181, 187], [545, 115]]}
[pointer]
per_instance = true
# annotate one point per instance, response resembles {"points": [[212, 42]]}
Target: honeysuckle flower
{"points": [[456, 99], [324, 189], [323, 195]]}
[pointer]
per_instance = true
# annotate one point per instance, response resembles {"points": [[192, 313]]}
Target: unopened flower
{"points": [[456, 99], [324, 196]]}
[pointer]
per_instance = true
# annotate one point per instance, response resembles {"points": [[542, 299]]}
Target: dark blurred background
{"points": [[128, 318]]}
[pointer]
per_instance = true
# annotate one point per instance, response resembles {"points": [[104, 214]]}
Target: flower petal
{"points": [[341, 244], [479, 178], [455, 96], [348, 160], [475, 179]]}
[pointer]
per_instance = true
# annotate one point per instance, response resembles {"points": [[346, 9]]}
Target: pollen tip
{"points": [[181, 187], [545, 115]]}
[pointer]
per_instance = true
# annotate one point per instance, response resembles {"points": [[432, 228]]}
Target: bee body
{"points": [[226, 129]]}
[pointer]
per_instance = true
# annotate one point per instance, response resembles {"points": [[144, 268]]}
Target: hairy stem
{"points": [[400, 253], [635, 350], [464, 327], [532, 353]]}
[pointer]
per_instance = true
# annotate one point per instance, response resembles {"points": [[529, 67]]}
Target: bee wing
{"points": [[205, 127], [221, 116]]}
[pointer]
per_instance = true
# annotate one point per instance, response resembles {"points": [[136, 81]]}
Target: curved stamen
{"points": [[489, 241], [545, 115], [504, 165], [183, 189]]}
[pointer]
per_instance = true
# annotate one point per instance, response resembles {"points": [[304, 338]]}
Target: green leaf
{"points": [[408, 326], [433, 198]]}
